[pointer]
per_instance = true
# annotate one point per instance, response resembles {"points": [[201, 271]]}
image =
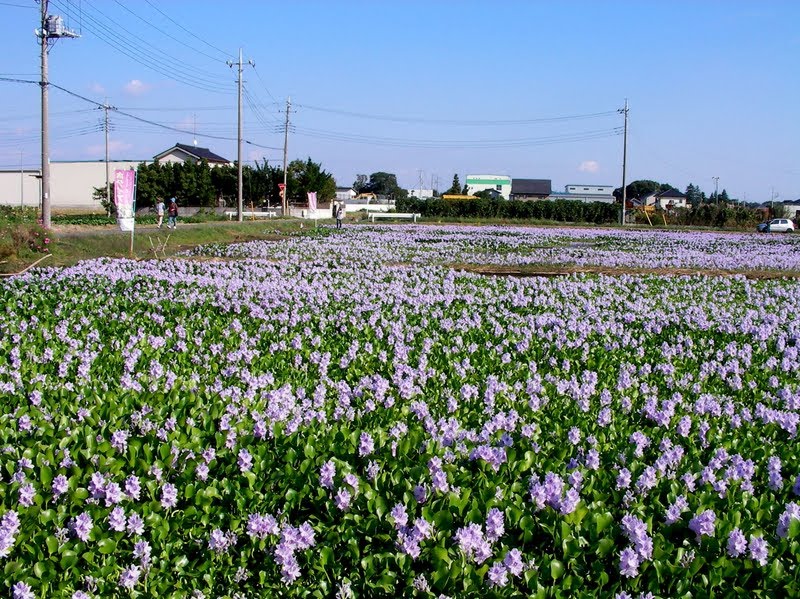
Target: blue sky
{"points": [[440, 87]]}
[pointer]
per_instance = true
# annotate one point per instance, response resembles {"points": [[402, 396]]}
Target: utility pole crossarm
{"points": [[240, 68]]}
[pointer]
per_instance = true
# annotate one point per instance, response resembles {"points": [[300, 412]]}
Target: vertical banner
{"points": [[125, 198], [312, 202]]}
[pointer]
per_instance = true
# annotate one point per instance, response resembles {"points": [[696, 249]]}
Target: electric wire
{"points": [[122, 44], [399, 119], [223, 52]]}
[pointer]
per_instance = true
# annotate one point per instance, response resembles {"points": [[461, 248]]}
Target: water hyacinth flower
{"points": [[498, 575], [629, 563], [366, 445], [473, 544], [9, 527], [513, 562], [737, 543], [791, 512], [117, 520], [703, 524], [169, 496], [343, 499], [245, 460], [129, 577], [494, 525], [22, 590], [26, 495], [258, 526], [675, 509], [326, 474], [135, 525], [60, 485], [133, 487], [758, 550], [82, 525]]}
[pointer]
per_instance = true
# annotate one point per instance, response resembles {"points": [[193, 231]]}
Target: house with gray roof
{"points": [[531, 189], [187, 153]]}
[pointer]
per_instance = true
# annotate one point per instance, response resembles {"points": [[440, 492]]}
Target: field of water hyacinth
{"points": [[347, 415]]}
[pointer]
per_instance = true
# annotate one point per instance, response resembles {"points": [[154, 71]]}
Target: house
{"points": [[669, 199], [187, 153], [531, 189], [344, 194], [498, 183]]}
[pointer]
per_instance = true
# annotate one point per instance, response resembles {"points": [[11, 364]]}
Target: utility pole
{"points": [[716, 189], [106, 108], [52, 27], [624, 111], [239, 137], [21, 182], [285, 154]]}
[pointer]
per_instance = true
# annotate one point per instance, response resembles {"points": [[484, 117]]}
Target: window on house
{"points": [[498, 187]]}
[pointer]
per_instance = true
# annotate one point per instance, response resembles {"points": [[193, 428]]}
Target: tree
{"points": [[385, 184], [360, 183], [642, 187], [306, 175], [723, 197], [694, 196], [455, 188]]}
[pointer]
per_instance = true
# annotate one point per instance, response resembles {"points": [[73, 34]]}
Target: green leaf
{"points": [[602, 521], [52, 544], [68, 559], [107, 546], [556, 569]]}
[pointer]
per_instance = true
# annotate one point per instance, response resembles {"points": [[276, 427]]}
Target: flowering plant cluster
{"points": [[349, 415]]}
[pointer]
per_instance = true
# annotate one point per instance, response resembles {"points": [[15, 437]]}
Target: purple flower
{"points": [[498, 576], [494, 525], [366, 445], [513, 562], [259, 526], [218, 541], [473, 544], [703, 524], [342, 500], [119, 440], [117, 520], [82, 525], [399, 515], [129, 577], [758, 550], [142, 550], [574, 435], [22, 591], [245, 460], [60, 485], [420, 493], [628, 563], [792, 512], [133, 487], [80, 595], [675, 510], [26, 494], [113, 494], [169, 496], [737, 544], [326, 474], [135, 525], [201, 471]]}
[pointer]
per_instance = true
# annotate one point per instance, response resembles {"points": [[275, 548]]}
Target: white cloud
{"points": [[97, 88], [136, 87], [589, 166]]}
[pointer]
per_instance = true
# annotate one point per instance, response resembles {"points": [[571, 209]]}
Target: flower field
{"points": [[347, 415]]}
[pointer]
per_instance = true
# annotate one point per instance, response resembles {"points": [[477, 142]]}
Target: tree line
{"points": [[198, 184]]}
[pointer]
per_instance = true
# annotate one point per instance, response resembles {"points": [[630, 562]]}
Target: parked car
{"points": [[776, 225]]}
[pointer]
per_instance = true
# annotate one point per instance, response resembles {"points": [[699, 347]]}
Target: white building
{"points": [[586, 193], [187, 153], [422, 194], [345, 194], [499, 183], [71, 184]]}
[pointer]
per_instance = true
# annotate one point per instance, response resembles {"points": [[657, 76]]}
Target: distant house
{"points": [[531, 189], [186, 153], [664, 200], [344, 194]]}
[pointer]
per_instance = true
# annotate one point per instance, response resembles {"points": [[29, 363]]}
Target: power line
{"points": [[223, 52], [264, 85], [399, 119], [16, 5], [114, 37], [169, 35]]}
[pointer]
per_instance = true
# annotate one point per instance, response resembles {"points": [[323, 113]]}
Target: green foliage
{"points": [[483, 207], [640, 187], [717, 215], [385, 184], [306, 175], [455, 188]]}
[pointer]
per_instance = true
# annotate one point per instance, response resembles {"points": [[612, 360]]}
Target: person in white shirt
{"points": [[160, 211]]}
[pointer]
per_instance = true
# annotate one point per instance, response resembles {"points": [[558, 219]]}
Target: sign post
{"points": [[125, 200]]}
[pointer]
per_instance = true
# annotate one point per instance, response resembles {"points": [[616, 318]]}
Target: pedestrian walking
{"points": [[172, 214], [160, 208], [339, 214]]}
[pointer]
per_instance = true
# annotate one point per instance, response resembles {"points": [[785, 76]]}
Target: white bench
{"points": [[231, 213], [411, 215]]}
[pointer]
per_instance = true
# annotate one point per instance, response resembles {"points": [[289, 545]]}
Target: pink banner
{"points": [[312, 200], [125, 197]]}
